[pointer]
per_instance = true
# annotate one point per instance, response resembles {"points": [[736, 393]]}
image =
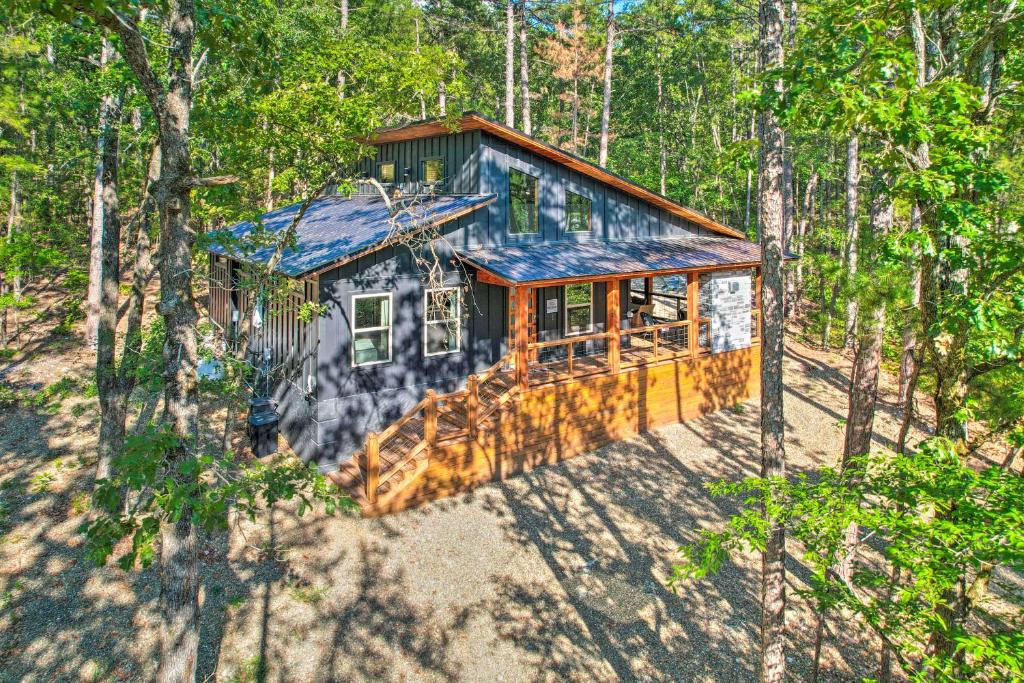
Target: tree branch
{"points": [[211, 181]]}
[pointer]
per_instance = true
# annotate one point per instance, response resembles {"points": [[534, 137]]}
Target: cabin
{"points": [[502, 305]]}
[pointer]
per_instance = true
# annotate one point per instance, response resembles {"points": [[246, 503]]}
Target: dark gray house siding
{"points": [[352, 401], [460, 152]]}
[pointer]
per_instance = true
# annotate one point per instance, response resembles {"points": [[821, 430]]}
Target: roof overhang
{"points": [[475, 121], [593, 261]]}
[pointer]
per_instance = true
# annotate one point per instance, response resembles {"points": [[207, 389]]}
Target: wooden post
{"points": [[472, 404], [648, 290], [372, 466], [613, 323], [654, 341], [522, 337], [430, 419], [569, 356], [692, 311]]}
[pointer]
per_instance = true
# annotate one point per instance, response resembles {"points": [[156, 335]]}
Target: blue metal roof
{"points": [[557, 260], [335, 228]]}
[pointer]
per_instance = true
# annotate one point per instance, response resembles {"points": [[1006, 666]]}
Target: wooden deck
{"points": [[571, 407]]}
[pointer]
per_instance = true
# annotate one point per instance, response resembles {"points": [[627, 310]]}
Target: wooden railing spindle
{"points": [[372, 466], [654, 342], [430, 419], [472, 404], [569, 357]]}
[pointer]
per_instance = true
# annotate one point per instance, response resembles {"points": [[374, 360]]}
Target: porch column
{"points": [[522, 336], [692, 310], [614, 317]]}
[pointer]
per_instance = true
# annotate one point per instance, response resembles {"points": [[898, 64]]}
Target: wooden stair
{"points": [[401, 453]]}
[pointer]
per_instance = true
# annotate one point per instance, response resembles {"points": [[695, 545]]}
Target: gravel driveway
{"points": [[556, 575]]}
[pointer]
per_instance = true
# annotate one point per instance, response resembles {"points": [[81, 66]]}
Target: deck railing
{"points": [[655, 343], [436, 418], [440, 418]]}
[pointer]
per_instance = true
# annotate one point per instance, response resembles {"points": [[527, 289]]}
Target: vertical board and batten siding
{"points": [[293, 345], [614, 214], [219, 304], [459, 151], [352, 401]]}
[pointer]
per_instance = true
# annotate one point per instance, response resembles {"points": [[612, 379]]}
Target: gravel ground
{"points": [[555, 575]]}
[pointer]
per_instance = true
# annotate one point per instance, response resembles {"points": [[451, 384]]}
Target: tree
{"points": [[574, 58], [606, 106], [524, 67], [903, 593], [773, 448], [510, 63], [852, 234]]}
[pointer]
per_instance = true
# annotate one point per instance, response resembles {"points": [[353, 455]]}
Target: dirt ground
{"points": [[556, 575]]}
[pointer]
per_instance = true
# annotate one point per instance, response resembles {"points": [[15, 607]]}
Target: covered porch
{"points": [[583, 309]]}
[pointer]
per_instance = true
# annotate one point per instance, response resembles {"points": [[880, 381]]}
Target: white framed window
{"points": [[577, 212], [432, 170], [524, 214], [386, 172], [579, 308], [442, 321], [371, 329]]}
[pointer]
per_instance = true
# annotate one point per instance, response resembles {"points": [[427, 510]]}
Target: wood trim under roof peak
{"points": [[476, 121]]}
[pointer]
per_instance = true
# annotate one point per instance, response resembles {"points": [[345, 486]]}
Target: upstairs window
{"points": [[577, 213], [442, 321], [386, 172], [371, 329], [432, 171], [579, 308], [523, 209]]}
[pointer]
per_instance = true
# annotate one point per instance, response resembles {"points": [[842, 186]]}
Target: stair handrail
{"points": [[428, 406]]}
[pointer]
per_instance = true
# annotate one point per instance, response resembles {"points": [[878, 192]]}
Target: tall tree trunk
{"points": [[863, 395], [114, 394], [773, 451], [852, 193], [662, 148], [171, 104], [524, 69], [110, 280], [575, 115], [868, 357], [750, 185], [606, 106], [510, 45], [343, 24], [806, 213], [910, 352], [98, 212], [8, 277], [442, 99]]}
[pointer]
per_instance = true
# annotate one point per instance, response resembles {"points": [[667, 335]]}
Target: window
{"points": [[522, 219], [442, 321], [386, 172], [371, 329], [577, 213], [432, 171], [579, 310]]}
